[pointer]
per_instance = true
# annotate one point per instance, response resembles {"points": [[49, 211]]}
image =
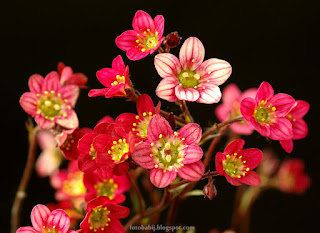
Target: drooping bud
{"points": [[210, 191], [172, 40]]}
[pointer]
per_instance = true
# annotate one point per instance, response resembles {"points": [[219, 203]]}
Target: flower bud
{"points": [[210, 191], [172, 40]]}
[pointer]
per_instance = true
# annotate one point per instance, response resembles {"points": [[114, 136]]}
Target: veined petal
{"points": [[69, 122], [35, 83], [251, 178], [71, 93], [193, 153], [86, 163], [118, 211], [158, 127], [265, 92], [162, 179], [142, 21], [233, 181], [191, 54], [299, 129], [27, 101], [116, 91], [26, 230], [144, 105], [209, 93], [136, 53], [287, 145], [188, 94], [43, 123], [247, 107], [220, 157], [51, 82], [282, 102], [252, 156], [59, 220], [301, 108], [215, 70], [192, 171], [127, 40], [126, 120], [39, 216], [281, 129], [97, 92], [234, 147], [106, 76], [118, 65], [191, 133], [159, 25], [85, 142], [141, 155], [115, 226], [166, 89], [167, 65], [263, 129]]}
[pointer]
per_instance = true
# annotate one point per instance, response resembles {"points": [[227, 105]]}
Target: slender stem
{"points": [[178, 119], [138, 193], [172, 214], [21, 192], [185, 111]]}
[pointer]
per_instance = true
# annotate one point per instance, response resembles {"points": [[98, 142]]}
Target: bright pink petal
{"points": [[264, 92], [102, 128], [234, 147], [220, 157], [126, 120], [282, 102], [209, 93], [287, 145], [193, 153], [223, 112], [127, 40], [191, 54], [166, 89], [162, 179], [27, 101], [263, 129], [136, 53], [167, 65], [69, 122], [191, 133], [65, 74], [142, 21], [299, 129], [247, 107], [252, 156], [100, 142], [118, 65], [43, 123], [301, 108], [144, 105], [86, 163], [141, 155], [97, 92], [251, 178], [85, 142], [242, 128], [26, 230], [192, 171], [51, 82], [117, 211], [231, 94], [158, 125], [281, 129], [39, 216], [71, 93], [215, 70], [59, 220], [116, 91], [232, 181], [159, 25], [188, 94], [106, 76], [35, 83]]}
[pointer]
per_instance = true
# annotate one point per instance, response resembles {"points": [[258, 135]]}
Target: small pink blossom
{"points": [[236, 164], [189, 78], [45, 221], [267, 112], [230, 107], [50, 103], [145, 38], [299, 126], [168, 153], [116, 79], [67, 77]]}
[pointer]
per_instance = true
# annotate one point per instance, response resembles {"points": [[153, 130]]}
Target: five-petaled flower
{"points": [[189, 78], [103, 216], [267, 112], [50, 103], [145, 38], [236, 164], [45, 221], [116, 79], [168, 153]]}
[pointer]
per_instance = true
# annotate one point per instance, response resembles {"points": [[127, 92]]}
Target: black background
{"points": [[274, 41]]}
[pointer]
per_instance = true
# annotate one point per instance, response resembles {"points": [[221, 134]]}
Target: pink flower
{"points": [[189, 78], [169, 153], [113, 188], [43, 220], [267, 112], [145, 38], [138, 124], [299, 126], [67, 77], [291, 177], [230, 107], [116, 79], [50, 103], [103, 216], [236, 164]]}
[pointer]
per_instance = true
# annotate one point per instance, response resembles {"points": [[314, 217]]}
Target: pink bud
{"points": [[210, 191]]}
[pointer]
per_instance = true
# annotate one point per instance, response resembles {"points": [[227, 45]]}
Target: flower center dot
{"points": [[188, 79], [261, 115]]}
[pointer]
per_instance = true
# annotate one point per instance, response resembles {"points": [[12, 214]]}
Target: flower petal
{"points": [[127, 40], [26, 230], [231, 94], [39, 216], [118, 65], [188, 94], [70, 93], [35, 83], [234, 147], [158, 127], [287, 145], [167, 65], [191, 133], [192, 171], [191, 54], [97, 92], [51, 82], [265, 92], [301, 108], [193, 153], [282, 102], [69, 122], [117, 211], [252, 156], [263, 129], [86, 163], [59, 220], [142, 21], [43, 123], [144, 105], [233, 181], [299, 129], [27, 102], [162, 179], [281, 129], [141, 155], [247, 107], [220, 157], [209, 93], [159, 25], [166, 89], [136, 53], [251, 178]]}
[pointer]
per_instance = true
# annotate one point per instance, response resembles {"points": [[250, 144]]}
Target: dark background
{"points": [[274, 41]]}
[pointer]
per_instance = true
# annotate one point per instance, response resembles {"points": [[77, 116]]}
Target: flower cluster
{"points": [[165, 149]]}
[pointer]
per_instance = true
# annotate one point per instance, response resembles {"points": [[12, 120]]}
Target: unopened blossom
{"points": [[138, 124], [189, 77], [299, 126], [67, 77], [113, 188], [50, 103], [45, 221], [103, 216], [230, 107], [292, 178], [267, 112], [115, 79], [236, 164], [145, 38], [168, 154]]}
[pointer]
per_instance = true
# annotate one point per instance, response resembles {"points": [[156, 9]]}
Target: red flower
{"points": [[291, 177], [267, 112], [145, 38], [67, 77], [103, 216], [113, 188], [50, 103], [116, 79], [138, 124], [236, 164]]}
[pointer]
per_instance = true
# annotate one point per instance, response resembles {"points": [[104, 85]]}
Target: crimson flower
{"points": [[45, 221], [145, 38], [299, 126], [138, 124], [189, 78], [113, 188], [50, 103], [267, 112], [230, 107], [169, 153], [236, 164], [103, 216]]}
